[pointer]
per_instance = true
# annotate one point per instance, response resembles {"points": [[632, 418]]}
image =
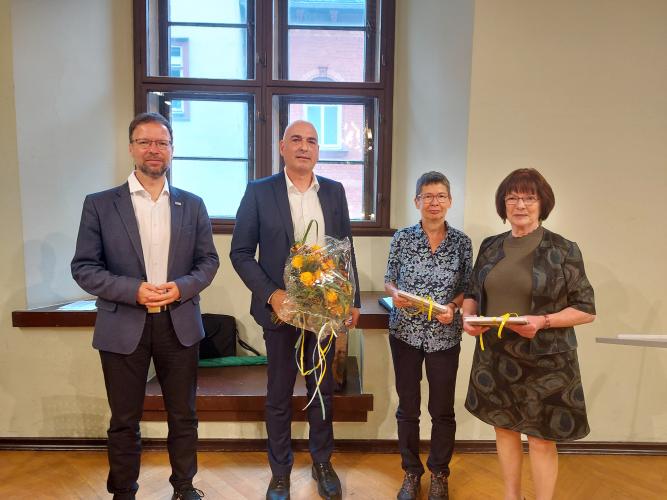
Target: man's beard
{"points": [[153, 173]]}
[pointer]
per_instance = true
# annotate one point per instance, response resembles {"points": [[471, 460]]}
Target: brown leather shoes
{"points": [[410, 487], [439, 489]]}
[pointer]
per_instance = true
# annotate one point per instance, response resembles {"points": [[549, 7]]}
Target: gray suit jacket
{"points": [[264, 219], [109, 263]]}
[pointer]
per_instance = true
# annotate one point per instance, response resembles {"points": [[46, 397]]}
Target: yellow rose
{"points": [[307, 278], [331, 296], [297, 261], [337, 310]]}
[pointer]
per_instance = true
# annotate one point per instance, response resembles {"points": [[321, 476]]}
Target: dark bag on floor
{"points": [[221, 337]]}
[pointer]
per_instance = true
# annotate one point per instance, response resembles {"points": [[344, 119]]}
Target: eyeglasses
{"points": [[527, 200], [428, 197], [146, 143]]}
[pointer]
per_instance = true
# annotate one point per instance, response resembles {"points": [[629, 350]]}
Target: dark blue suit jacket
{"points": [[109, 263], [264, 219]]}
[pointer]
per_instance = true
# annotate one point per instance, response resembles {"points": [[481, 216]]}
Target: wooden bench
{"points": [[238, 394], [234, 393]]}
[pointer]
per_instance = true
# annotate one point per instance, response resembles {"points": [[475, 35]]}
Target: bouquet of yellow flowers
{"points": [[319, 282], [320, 285]]}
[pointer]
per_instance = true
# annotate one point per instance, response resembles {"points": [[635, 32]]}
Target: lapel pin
{"points": [[178, 203]]}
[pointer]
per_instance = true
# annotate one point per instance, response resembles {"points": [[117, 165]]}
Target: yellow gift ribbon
{"points": [[503, 320], [321, 361], [421, 309]]}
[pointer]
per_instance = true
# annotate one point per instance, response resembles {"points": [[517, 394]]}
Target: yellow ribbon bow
{"points": [[503, 320]]}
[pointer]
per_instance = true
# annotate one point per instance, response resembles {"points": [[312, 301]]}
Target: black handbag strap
{"points": [[245, 345]]}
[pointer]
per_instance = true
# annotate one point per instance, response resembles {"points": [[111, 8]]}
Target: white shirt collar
{"points": [[136, 187], [314, 185]]}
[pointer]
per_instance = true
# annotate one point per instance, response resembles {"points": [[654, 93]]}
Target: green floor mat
{"points": [[232, 361]]}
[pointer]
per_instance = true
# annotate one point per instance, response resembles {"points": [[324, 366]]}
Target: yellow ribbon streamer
{"points": [[503, 319], [321, 361]]}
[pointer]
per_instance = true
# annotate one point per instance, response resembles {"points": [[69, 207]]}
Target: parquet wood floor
{"points": [[238, 476]]}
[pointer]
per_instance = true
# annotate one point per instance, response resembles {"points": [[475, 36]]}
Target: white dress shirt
{"points": [[154, 221], [305, 207]]}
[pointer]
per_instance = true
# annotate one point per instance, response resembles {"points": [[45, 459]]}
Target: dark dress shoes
{"points": [[328, 484], [187, 493], [278, 488]]}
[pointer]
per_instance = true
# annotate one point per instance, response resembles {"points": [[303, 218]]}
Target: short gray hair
{"points": [[432, 177]]}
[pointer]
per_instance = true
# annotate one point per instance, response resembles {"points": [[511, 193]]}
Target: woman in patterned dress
{"points": [[429, 259], [528, 381]]}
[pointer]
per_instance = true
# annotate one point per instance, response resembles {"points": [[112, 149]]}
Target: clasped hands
{"points": [[279, 297], [150, 295]]}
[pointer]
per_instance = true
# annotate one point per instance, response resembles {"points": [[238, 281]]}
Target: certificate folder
{"points": [[422, 303], [495, 320]]}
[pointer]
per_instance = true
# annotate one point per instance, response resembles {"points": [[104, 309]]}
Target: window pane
{"points": [[220, 183], [201, 39], [217, 129], [313, 115], [345, 128], [326, 55], [352, 178], [327, 12], [331, 124], [339, 128], [212, 144], [210, 52], [210, 11]]}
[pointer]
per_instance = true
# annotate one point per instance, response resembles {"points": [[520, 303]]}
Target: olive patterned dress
{"points": [[531, 386]]}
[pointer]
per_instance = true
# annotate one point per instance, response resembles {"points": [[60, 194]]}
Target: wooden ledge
{"points": [[50, 317], [238, 394], [373, 315]]}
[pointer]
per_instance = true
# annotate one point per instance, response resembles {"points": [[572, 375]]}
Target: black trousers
{"points": [[441, 367], [282, 372], [125, 380]]}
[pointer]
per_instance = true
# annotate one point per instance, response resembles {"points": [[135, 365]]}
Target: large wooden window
{"points": [[231, 74]]}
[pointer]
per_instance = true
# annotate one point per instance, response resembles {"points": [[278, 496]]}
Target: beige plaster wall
{"points": [[577, 90], [12, 277], [574, 89], [66, 92]]}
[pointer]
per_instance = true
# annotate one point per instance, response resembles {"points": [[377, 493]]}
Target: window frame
{"points": [[263, 87]]}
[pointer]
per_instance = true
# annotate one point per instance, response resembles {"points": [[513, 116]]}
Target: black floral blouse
{"points": [[442, 275]]}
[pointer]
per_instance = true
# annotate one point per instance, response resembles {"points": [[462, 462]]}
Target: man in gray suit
{"points": [[145, 249]]}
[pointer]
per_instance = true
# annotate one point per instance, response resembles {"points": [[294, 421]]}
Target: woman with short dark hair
{"points": [[430, 259], [528, 381]]}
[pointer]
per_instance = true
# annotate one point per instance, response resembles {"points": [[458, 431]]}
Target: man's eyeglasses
{"points": [[146, 143], [428, 197], [527, 200]]}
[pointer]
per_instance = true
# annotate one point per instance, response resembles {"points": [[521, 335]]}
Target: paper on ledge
{"points": [[79, 305]]}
